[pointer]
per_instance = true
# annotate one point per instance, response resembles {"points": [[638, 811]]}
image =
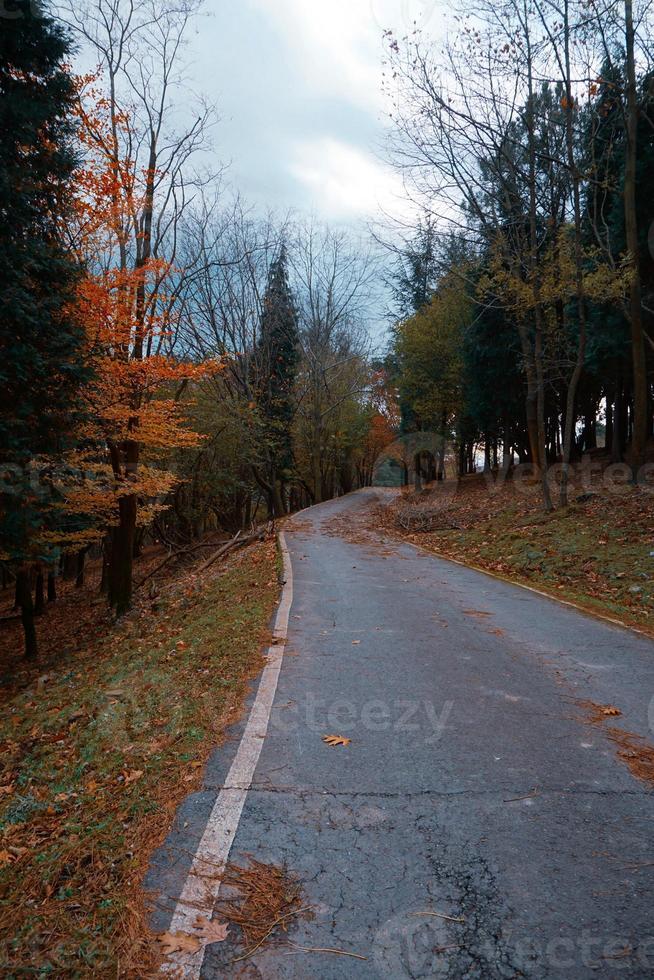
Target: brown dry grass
{"points": [[636, 753], [99, 742], [597, 552]]}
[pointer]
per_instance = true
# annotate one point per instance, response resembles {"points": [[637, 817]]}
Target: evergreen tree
{"points": [[416, 271], [279, 358], [40, 344]]}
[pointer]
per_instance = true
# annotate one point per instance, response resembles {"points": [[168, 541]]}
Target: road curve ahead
{"points": [[478, 824]]}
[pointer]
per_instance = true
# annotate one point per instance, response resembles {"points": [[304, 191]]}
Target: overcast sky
{"points": [[298, 87]]}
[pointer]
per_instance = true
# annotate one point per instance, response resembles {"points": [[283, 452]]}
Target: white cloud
{"points": [[336, 46], [345, 181]]}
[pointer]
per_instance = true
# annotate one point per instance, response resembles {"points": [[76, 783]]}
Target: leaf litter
{"points": [[262, 899], [97, 753]]}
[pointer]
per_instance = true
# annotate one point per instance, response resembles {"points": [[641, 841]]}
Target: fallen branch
{"points": [[259, 534], [172, 556], [236, 542]]}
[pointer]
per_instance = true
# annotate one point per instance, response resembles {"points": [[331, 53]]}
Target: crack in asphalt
{"points": [[445, 794]]}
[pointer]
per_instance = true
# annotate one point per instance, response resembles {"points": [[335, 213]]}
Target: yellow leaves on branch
{"points": [[520, 289]]}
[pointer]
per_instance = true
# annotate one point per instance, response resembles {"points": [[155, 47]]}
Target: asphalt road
{"points": [[474, 785]]}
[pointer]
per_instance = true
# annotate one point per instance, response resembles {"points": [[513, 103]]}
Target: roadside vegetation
{"points": [[598, 552], [101, 741]]}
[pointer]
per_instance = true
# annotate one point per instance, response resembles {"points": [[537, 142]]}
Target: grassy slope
{"points": [[596, 553], [97, 753]]}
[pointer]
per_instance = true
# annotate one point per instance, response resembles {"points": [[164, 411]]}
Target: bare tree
{"points": [[149, 145], [332, 279]]}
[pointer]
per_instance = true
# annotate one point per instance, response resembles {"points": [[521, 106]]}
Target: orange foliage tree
{"points": [[127, 303]]}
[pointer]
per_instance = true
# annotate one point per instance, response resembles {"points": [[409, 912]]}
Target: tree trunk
{"points": [[573, 384], [639, 438], [608, 431], [24, 597], [617, 445], [317, 476], [106, 563], [277, 500], [39, 594], [52, 587], [81, 561], [122, 556], [69, 566], [417, 473], [531, 399]]}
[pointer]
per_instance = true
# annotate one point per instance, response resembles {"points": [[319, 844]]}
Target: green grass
{"points": [[596, 553], [96, 757]]}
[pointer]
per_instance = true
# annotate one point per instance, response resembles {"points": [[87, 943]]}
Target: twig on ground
{"points": [[249, 952], [439, 915], [326, 949]]}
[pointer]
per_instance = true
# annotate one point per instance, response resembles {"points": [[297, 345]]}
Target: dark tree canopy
{"points": [[40, 344]]}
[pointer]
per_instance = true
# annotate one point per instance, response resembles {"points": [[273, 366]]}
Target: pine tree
{"points": [[40, 343], [279, 349]]}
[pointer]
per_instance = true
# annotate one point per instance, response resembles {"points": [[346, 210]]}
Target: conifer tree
{"points": [[279, 350], [41, 365]]}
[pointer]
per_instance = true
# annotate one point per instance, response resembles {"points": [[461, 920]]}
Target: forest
{"points": [[173, 363], [183, 371]]}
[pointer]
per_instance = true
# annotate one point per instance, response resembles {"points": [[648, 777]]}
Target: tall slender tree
{"points": [[280, 354], [41, 362]]}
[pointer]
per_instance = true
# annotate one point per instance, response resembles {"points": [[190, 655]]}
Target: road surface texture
{"points": [[475, 786]]}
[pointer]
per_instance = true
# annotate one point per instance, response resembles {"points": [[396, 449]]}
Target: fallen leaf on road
{"points": [[210, 932], [476, 612], [610, 711], [178, 942], [355, 643], [336, 740]]}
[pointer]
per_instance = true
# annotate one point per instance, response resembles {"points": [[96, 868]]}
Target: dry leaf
{"points": [[355, 642], [5, 858], [610, 711], [336, 740], [132, 776], [178, 942], [210, 932]]}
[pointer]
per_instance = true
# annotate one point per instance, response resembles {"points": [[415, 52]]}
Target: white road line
{"points": [[198, 896]]}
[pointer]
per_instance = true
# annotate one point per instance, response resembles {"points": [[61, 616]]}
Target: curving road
{"points": [[475, 786]]}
